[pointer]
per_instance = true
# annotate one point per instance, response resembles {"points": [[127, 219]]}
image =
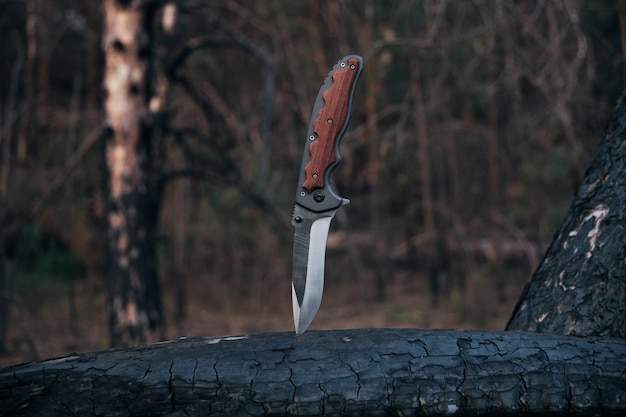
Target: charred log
{"points": [[340, 372]]}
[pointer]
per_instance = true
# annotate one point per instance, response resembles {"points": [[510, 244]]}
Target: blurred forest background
{"points": [[472, 125]]}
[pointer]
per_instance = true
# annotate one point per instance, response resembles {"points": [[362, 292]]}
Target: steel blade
{"points": [[309, 252]]}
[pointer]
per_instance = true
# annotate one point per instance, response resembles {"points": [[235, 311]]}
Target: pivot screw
{"points": [[318, 197], [302, 193]]}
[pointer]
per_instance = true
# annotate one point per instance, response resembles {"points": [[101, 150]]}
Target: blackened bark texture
{"points": [[580, 286], [341, 372], [134, 170]]}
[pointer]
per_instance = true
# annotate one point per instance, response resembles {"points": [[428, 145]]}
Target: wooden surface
{"points": [[329, 124]]}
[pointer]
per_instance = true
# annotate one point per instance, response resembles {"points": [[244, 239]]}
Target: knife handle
{"points": [[329, 125]]}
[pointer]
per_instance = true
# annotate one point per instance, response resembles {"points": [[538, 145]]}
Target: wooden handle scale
{"points": [[330, 122]]}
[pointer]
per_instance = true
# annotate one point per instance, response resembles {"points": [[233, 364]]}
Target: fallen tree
{"points": [[337, 372]]}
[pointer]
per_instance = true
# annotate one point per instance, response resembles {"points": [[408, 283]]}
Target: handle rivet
{"points": [[352, 66], [312, 137], [302, 193], [329, 121], [314, 176], [343, 64], [298, 219], [318, 197]]}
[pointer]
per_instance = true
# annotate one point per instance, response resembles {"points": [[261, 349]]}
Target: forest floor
{"points": [[40, 322]]}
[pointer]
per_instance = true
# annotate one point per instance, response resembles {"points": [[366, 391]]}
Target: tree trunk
{"points": [[580, 286], [134, 167], [339, 372]]}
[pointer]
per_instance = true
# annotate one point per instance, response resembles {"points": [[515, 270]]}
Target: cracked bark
{"points": [[580, 285], [338, 372]]}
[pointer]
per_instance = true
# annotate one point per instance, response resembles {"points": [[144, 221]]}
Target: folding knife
{"points": [[316, 202]]}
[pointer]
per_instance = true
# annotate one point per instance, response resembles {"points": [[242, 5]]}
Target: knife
{"points": [[316, 201]]}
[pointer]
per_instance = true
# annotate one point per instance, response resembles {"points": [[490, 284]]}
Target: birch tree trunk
{"points": [[133, 160]]}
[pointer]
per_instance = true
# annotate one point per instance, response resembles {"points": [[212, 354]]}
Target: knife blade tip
{"points": [[296, 310]]}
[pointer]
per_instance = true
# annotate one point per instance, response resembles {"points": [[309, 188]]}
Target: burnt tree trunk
{"points": [[580, 285], [340, 372], [135, 91]]}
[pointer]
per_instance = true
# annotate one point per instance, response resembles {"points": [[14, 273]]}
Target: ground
{"points": [[40, 326]]}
